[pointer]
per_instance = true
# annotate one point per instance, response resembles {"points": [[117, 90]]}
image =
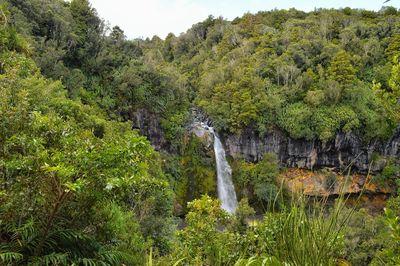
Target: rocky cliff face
{"points": [[344, 151], [148, 125]]}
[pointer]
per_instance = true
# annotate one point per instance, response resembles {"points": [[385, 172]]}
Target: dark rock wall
{"points": [[346, 150], [148, 125]]}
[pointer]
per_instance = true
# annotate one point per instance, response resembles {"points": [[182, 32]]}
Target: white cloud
{"points": [[151, 17]]}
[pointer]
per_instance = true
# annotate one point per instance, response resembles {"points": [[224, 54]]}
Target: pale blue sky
{"points": [[145, 18]]}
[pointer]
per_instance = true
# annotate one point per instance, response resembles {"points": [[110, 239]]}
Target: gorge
{"points": [[162, 151], [344, 151], [345, 154]]}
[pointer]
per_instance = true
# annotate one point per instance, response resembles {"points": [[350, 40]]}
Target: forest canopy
{"points": [[81, 186], [310, 74]]}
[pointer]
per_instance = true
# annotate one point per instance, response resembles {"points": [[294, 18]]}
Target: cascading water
{"points": [[226, 190]]}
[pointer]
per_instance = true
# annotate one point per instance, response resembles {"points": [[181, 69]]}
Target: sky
{"points": [[146, 18]]}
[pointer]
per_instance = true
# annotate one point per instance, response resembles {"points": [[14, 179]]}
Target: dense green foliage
{"points": [[80, 187], [310, 74], [198, 167], [291, 236], [257, 181], [75, 187], [98, 65]]}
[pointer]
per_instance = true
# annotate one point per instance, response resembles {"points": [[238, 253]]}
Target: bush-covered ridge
{"points": [[79, 188], [76, 187], [311, 74]]}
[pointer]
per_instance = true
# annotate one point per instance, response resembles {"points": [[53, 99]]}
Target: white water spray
{"points": [[226, 190]]}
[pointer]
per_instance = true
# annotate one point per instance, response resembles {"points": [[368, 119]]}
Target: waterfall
{"points": [[226, 190]]}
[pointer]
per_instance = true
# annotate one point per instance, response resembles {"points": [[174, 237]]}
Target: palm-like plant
{"points": [[61, 247]]}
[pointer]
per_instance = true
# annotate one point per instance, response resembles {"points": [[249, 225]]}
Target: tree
{"points": [[341, 69], [201, 241], [296, 120], [87, 29], [69, 175], [393, 48], [389, 100], [117, 34]]}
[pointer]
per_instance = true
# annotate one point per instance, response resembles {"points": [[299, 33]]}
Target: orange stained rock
{"points": [[319, 183]]}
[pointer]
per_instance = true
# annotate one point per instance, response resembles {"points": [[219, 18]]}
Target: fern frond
{"points": [[116, 257], [10, 257], [91, 262], [52, 259]]}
